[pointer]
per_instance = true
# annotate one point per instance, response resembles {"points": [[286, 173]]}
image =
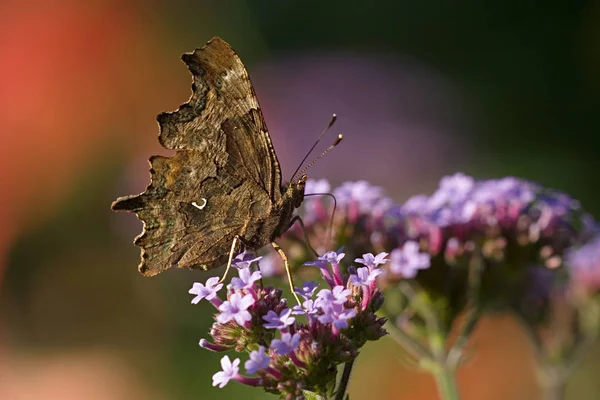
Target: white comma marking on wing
{"points": [[202, 206]]}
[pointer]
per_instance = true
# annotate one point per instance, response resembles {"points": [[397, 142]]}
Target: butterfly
{"points": [[223, 184]]}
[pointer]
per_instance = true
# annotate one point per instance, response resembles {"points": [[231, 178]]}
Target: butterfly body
{"points": [[268, 226], [224, 180]]}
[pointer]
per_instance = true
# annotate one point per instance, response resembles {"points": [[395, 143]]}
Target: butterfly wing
{"points": [[224, 176], [223, 116], [190, 213]]}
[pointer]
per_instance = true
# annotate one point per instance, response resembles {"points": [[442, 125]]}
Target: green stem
{"points": [[554, 387], [344, 381], [471, 314], [441, 370], [407, 342], [446, 385], [555, 392]]}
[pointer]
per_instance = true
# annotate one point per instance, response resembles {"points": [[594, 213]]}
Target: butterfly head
{"points": [[295, 191]]}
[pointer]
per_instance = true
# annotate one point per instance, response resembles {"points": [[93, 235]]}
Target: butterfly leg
{"points": [[287, 270], [235, 240], [292, 222]]}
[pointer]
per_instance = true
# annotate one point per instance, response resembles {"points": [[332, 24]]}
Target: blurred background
{"points": [[421, 89]]}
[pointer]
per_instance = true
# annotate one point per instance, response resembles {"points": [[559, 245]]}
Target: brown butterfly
{"points": [[223, 185]]}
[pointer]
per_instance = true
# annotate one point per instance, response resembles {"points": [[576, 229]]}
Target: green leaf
{"points": [[312, 396]]}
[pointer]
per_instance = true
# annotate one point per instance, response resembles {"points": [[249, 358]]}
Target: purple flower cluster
{"points": [[469, 247], [462, 215], [294, 349], [471, 239], [489, 213]]}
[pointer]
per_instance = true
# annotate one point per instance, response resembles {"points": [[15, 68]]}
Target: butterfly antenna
{"points": [[329, 125], [337, 141]]}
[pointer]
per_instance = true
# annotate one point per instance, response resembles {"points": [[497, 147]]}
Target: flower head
{"points": [[297, 349]]}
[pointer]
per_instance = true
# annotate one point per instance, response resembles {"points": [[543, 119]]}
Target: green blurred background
{"points": [[421, 89]]}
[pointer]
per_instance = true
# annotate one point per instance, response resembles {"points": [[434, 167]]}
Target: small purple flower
{"points": [[371, 261], [286, 344], [236, 308], [339, 295], [336, 314], [244, 260], [408, 260], [207, 291], [281, 321], [331, 257], [246, 279], [259, 360], [229, 371], [308, 289], [309, 307], [364, 277]]}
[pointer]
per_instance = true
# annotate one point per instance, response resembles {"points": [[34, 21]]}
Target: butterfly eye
{"points": [[219, 82]]}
